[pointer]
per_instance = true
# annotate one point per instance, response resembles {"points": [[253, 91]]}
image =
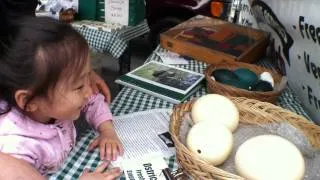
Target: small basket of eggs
{"points": [[209, 143], [239, 79]]}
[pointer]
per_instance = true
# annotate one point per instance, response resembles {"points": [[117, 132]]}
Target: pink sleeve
{"points": [[97, 111], [19, 149]]}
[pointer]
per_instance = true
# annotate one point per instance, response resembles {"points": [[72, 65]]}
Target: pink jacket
{"points": [[44, 146]]}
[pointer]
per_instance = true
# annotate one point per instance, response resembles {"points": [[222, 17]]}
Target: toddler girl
{"points": [[44, 85]]}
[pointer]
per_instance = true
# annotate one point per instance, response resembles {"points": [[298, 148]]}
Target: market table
{"points": [[129, 100], [116, 42]]}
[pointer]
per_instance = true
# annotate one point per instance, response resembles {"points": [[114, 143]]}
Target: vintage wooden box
{"points": [[211, 40]]}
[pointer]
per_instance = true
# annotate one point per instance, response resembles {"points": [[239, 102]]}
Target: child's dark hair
{"points": [[34, 53]]}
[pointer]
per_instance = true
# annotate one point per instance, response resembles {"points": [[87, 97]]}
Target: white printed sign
{"points": [[76, 5], [295, 35], [117, 11]]}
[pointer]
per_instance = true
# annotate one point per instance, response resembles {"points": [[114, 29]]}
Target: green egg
{"points": [[237, 84], [222, 75], [262, 86], [247, 76]]}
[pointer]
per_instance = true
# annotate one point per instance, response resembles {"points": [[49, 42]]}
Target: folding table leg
{"points": [[125, 60]]}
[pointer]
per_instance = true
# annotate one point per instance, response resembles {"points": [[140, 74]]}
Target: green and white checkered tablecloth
{"points": [[132, 32], [128, 101], [114, 42]]}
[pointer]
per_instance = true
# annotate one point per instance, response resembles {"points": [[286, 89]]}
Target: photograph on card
{"points": [[179, 80]]}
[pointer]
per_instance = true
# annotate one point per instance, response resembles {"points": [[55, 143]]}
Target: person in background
{"points": [[44, 85], [14, 9]]}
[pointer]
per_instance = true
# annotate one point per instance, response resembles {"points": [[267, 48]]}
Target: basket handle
{"points": [[223, 62], [233, 63]]}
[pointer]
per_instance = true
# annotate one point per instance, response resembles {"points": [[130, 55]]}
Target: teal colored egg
{"points": [[222, 75], [262, 86], [237, 84], [247, 76]]}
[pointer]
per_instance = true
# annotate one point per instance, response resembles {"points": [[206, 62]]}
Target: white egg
{"points": [[216, 108], [211, 142], [269, 157], [266, 76]]}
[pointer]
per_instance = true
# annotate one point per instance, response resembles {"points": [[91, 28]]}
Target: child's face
{"points": [[67, 99]]}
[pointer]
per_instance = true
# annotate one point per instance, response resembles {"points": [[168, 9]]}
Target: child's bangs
{"points": [[63, 60], [76, 52]]}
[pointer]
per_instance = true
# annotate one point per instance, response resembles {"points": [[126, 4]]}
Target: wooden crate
{"points": [[211, 40]]}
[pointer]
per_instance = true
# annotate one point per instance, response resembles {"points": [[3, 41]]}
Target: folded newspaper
{"points": [[147, 167], [146, 142]]}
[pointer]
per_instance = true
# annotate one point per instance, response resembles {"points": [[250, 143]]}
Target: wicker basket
{"points": [[251, 112], [227, 90]]}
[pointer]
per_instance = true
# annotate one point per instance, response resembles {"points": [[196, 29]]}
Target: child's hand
{"points": [[99, 174], [110, 145]]}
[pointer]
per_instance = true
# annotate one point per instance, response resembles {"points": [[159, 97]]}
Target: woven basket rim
{"points": [[313, 134], [212, 67], [228, 90], [247, 91]]}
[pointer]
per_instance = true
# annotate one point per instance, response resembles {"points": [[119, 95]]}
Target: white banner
{"points": [[295, 29]]}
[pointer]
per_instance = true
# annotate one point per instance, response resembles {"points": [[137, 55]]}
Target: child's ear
{"points": [[22, 98]]}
